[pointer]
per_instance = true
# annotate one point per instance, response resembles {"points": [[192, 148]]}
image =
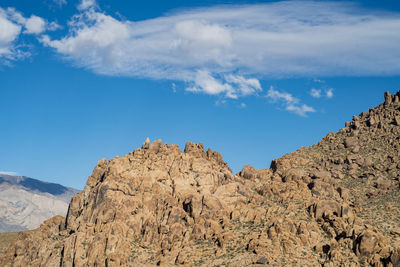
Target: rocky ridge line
{"points": [[336, 203]]}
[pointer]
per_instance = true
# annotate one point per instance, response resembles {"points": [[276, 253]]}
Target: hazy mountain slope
{"points": [[25, 202], [335, 203]]}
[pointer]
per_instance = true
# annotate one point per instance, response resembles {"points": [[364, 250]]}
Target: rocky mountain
{"points": [[25, 202], [336, 203]]}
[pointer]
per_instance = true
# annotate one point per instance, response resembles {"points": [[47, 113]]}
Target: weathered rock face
{"points": [[151, 206], [333, 204]]}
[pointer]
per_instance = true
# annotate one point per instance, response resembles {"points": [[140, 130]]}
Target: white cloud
{"points": [[53, 26], [279, 96], [219, 50], [232, 86], [244, 86], [35, 25], [14, 16], [329, 93], [103, 44], [274, 40], [199, 34], [86, 4], [225, 50], [300, 110], [9, 32], [316, 93], [318, 80], [206, 83], [290, 102], [12, 25]]}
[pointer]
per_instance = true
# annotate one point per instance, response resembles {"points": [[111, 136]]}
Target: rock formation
{"points": [[336, 203]]}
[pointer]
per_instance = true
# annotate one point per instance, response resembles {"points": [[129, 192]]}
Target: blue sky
{"points": [[83, 80]]}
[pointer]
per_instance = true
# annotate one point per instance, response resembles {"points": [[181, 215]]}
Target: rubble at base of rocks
{"points": [[336, 203]]}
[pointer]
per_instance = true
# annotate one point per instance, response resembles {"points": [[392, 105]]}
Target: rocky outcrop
{"points": [[332, 204]]}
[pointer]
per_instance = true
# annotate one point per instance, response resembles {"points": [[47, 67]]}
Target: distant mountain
{"points": [[26, 202]]}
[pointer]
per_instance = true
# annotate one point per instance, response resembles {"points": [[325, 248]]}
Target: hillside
{"points": [[26, 202], [336, 203]]}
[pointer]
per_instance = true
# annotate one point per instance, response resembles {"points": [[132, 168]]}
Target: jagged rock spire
{"points": [[146, 143]]}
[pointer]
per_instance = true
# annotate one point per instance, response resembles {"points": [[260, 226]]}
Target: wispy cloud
{"points": [[270, 40], [12, 25], [276, 95], [60, 2], [205, 82], [290, 102], [32, 25], [86, 4], [316, 80], [232, 86], [329, 93], [300, 110], [225, 50], [9, 32], [316, 93]]}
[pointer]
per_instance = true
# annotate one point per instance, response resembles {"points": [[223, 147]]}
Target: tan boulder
{"points": [[369, 243], [350, 142], [155, 146]]}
